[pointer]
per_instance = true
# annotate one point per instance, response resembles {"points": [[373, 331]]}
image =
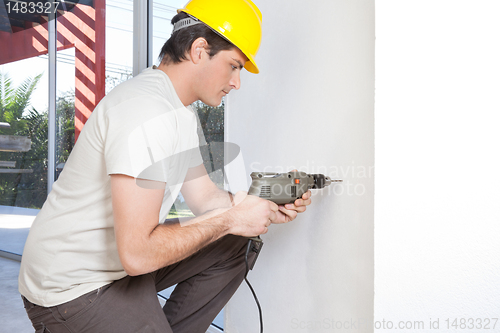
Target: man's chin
{"points": [[212, 103]]}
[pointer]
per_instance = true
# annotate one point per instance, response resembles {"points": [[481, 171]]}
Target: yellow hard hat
{"points": [[239, 21]]}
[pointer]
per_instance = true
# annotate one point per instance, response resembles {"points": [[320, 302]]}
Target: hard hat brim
{"points": [[251, 66]]}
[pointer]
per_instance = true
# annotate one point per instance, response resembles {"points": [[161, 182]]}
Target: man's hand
{"points": [[251, 215], [289, 212]]}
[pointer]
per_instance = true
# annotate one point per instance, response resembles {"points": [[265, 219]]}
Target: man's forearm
{"points": [[216, 199], [173, 242], [201, 194]]}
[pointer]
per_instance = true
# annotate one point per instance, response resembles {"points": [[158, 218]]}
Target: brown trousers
{"points": [[205, 282]]}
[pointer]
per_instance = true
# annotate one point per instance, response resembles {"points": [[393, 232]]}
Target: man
{"points": [[97, 255]]}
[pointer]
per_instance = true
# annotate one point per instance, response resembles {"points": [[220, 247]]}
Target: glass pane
{"points": [[212, 125], [23, 147], [65, 107], [119, 42], [163, 11], [23, 133], [23, 124]]}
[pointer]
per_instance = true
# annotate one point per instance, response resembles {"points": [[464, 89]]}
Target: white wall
{"points": [[311, 108], [437, 221]]}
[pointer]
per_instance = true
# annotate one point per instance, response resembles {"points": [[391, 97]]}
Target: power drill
{"points": [[284, 188]]}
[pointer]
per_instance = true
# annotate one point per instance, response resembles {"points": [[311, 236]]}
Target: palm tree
{"points": [[23, 189], [15, 101]]}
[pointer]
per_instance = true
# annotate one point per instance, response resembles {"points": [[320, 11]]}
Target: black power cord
{"points": [[255, 248]]}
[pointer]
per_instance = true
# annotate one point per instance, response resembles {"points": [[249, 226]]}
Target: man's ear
{"points": [[198, 49]]}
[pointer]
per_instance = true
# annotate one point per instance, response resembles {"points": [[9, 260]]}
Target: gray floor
{"points": [[14, 228], [12, 314]]}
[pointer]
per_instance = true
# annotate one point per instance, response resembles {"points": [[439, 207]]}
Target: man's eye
{"points": [[233, 67]]}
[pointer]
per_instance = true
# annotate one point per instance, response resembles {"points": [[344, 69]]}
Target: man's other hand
{"points": [[288, 212]]}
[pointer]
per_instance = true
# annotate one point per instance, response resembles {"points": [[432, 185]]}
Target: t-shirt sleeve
{"points": [[140, 139]]}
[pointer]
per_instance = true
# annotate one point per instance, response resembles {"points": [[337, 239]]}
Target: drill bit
{"points": [[328, 181]]}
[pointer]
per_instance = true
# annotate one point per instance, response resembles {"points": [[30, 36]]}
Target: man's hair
{"points": [[177, 47]]}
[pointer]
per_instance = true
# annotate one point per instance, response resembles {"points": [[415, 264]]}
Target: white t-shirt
{"points": [[140, 129]]}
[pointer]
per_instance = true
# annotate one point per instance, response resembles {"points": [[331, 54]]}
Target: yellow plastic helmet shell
{"points": [[239, 21]]}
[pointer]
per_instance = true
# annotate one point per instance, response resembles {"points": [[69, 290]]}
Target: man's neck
{"points": [[181, 77]]}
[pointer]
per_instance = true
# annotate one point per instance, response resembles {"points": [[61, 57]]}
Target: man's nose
{"points": [[235, 80]]}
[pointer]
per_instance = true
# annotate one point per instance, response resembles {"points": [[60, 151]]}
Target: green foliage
{"points": [[65, 123], [30, 189], [212, 124], [23, 189], [14, 102]]}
